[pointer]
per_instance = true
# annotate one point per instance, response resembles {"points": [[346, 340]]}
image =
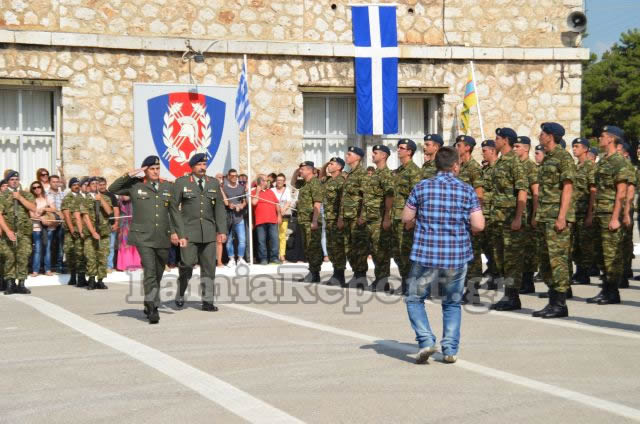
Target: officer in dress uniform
{"points": [[151, 230], [200, 223]]}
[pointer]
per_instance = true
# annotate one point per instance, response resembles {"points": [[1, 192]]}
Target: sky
{"points": [[607, 19]]}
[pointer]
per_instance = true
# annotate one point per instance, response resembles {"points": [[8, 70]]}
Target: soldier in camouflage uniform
{"points": [[509, 214], [378, 194], [95, 210], [350, 219], [73, 248], [530, 261], [583, 231], [81, 258], [333, 183], [471, 173], [310, 199], [627, 221], [17, 227], [3, 188], [555, 215], [432, 143], [611, 191], [490, 155], [405, 178]]}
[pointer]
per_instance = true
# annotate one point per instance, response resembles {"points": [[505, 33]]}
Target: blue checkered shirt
{"points": [[443, 205]]}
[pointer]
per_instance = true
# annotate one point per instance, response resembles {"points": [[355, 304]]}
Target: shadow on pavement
{"points": [[394, 349]]}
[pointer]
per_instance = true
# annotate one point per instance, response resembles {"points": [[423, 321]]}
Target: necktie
{"points": [[200, 184], [155, 186]]}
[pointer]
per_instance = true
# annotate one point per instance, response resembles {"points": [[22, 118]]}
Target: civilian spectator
{"points": [[284, 196], [42, 176], [236, 203], [272, 179], [128, 256], [113, 220], [267, 217], [55, 232], [39, 220], [444, 209]]}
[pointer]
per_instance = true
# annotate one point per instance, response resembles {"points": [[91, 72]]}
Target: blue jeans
{"points": [[238, 229], [37, 253], [55, 237], [448, 284], [267, 233], [112, 249]]}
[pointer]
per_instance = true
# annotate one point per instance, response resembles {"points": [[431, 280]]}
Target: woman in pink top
{"points": [[43, 205]]}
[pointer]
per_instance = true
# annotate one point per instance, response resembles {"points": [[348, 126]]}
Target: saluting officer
{"points": [[309, 204], [151, 230], [200, 223], [432, 143]]}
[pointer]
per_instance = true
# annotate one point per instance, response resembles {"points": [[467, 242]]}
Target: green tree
{"points": [[611, 89]]}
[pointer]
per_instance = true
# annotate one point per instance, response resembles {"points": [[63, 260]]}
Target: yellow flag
{"points": [[469, 101]]}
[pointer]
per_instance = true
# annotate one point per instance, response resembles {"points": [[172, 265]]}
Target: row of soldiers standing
{"points": [[539, 216]]}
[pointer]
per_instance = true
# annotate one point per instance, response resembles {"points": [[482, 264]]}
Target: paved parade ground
{"points": [[293, 352]]}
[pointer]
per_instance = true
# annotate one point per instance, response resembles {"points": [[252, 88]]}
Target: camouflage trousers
{"points": [[583, 243], [508, 252], [335, 245], [627, 244], [530, 247], [474, 269], [555, 248], [402, 243], [96, 252], [486, 242], [610, 244], [74, 254], [380, 240], [356, 245], [16, 256], [312, 242]]}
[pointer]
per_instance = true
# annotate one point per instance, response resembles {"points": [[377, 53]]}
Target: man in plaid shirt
{"points": [[444, 211]]}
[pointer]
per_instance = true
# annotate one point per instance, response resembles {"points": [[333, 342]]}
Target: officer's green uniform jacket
{"points": [[376, 188], [429, 169], [352, 193], [151, 225], [405, 178], [202, 215], [9, 207], [557, 166], [97, 215], [610, 170], [333, 187], [310, 193], [585, 178]]}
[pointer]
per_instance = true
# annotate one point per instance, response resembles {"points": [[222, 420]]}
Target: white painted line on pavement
{"points": [[224, 394], [591, 401]]}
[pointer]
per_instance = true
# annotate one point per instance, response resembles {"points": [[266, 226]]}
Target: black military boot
{"points": [[337, 278], [492, 282], [600, 296], [91, 284], [558, 306], [3, 285], [527, 283], [581, 276], [612, 295], [360, 279], [73, 280], [10, 287], [101, 285], [470, 295], [311, 277], [541, 312], [22, 289], [569, 293], [209, 307], [594, 271], [538, 278], [151, 311], [510, 301], [624, 282], [628, 273], [81, 280]]}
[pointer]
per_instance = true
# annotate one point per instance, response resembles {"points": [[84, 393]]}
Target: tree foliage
{"points": [[611, 89]]}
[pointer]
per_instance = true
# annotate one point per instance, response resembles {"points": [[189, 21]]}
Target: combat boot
{"points": [[337, 278], [594, 271], [471, 295], [209, 307], [538, 278], [510, 301], [311, 277], [81, 280], [151, 311], [527, 283], [101, 285], [381, 283], [91, 284], [569, 293], [22, 289], [10, 287], [72, 280], [600, 296], [624, 282], [611, 297], [360, 278], [581, 276], [558, 306], [541, 312]]}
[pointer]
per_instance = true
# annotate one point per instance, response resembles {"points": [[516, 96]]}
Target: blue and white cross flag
{"points": [[243, 108], [375, 37]]}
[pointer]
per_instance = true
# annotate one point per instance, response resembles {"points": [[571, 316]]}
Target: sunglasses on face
{"points": [[37, 187]]}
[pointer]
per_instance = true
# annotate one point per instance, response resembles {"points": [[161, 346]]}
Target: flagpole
{"points": [[249, 180], [475, 88]]}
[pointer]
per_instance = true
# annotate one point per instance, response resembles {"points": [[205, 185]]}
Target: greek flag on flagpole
{"points": [[243, 108], [375, 37]]}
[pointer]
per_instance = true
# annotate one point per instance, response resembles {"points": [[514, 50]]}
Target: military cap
{"points": [[539, 148], [523, 140], [307, 163], [470, 141], [435, 138], [197, 158], [3, 182], [355, 149], [10, 174], [594, 151], [150, 161], [507, 133], [92, 179], [382, 148], [626, 147], [613, 130], [84, 180], [411, 145], [337, 160], [580, 140], [489, 143], [563, 143], [552, 128], [73, 181]]}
